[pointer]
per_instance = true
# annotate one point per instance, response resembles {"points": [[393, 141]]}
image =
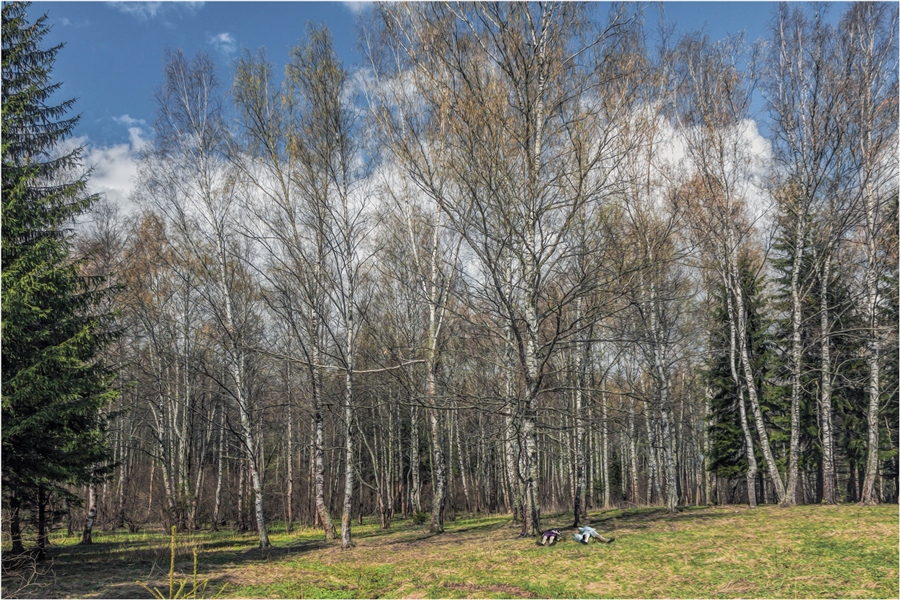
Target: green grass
{"points": [[720, 552]]}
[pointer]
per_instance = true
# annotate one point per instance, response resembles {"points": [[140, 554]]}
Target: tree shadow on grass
{"points": [[112, 569], [253, 554], [451, 534], [643, 518]]}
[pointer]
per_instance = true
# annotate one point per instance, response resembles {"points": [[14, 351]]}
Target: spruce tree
{"points": [[54, 385]]}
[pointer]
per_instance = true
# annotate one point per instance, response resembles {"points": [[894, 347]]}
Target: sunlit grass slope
{"points": [[721, 552]]}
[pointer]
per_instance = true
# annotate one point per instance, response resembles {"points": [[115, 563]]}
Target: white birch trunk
{"points": [[654, 486], [632, 477], [790, 497], [346, 538], [289, 457], [579, 475], [740, 311], [752, 468], [460, 455], [414, 460], [829, 494], [604, 448], [220, 468], [872, 349]]}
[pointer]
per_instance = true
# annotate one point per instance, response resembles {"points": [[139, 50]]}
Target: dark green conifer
{"points": [[54, 385]]}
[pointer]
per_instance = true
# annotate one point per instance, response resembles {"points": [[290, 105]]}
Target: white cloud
{"points": [[67, 22], [114, 168], [357, 7], [145, 11], [138, 142], [128, 121], [223, 42]]}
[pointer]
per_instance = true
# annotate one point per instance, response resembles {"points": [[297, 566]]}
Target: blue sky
{"points": [[114, 51], [113, 58]]}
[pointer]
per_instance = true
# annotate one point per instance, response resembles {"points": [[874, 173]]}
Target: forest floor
{"points": [[716, 552]]}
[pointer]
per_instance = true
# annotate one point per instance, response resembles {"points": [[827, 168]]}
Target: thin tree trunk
{"points": [[346, 537], [42, 522], [708, 479], [15, 526], [322, 514], [205, 441], [123, 482], [440, 473], [604, 447], [414, 459], [633, 458], [195, 500], [241, 520], [86, 535], [662, 380], [251, 449], [389, 475], [654, 486], [462, 466], [579, 508], [745, 427], [790, 497], [150, 488], [742, 334], [668, 440], [872, 351], [513, 439], [435, 322], [511, 443], [290, 455], [220, 464], [829, 495]]}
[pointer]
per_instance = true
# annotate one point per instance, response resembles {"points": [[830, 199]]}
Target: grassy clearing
{"points": [[720, 552]]}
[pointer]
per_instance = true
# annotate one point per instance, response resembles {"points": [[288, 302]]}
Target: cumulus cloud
{"points": [[115, 168], [223, 42]]}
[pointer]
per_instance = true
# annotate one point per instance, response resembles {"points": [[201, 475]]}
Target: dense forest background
{"points": [[532, 258]]}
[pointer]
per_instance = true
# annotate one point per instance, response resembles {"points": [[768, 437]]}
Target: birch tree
{"points": [[715, 118], [868, 34], [188, 178], [279, 162], [330, 164]]}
